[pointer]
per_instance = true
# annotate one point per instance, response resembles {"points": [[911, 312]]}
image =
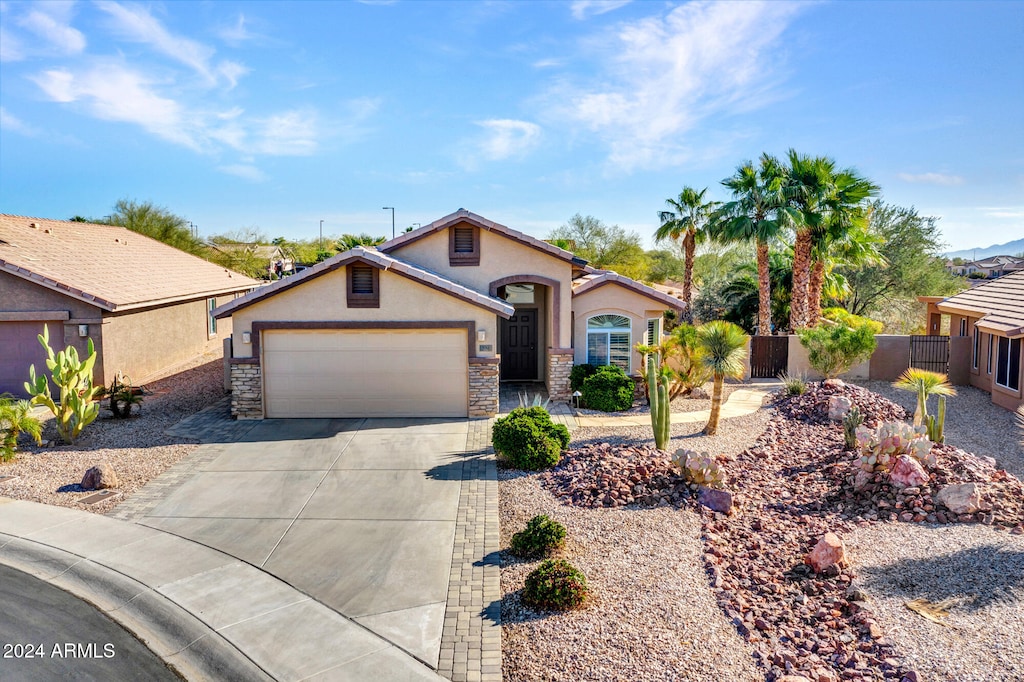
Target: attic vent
{"points": [[362, 279], [463, 240], [34, 226]]}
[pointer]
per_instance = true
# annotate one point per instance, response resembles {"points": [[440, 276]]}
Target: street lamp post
{"points": [[321, 236], [392, 209]]}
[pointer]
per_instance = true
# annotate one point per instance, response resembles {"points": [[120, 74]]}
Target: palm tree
{"points": [[724, 347], [925, 384], [348, 241], [689, 218], [16, 418], [838, 247], [806, 186], [757, 213]]}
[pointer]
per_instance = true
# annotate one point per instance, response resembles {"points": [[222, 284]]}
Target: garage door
{"points": [[19, 348], [366, 373]]}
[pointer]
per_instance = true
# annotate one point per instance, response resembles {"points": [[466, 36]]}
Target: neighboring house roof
{"points": [[108, 266], [464, 216], [589, 282], [999, 303], [376, 259]]}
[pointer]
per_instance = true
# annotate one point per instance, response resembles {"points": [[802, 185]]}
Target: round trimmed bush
{"points": [[528, 439], [609, 389], [578, 374], [555, 584], [542, 535]]}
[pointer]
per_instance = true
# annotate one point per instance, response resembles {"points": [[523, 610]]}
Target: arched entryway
{"points": [[523, 339]]}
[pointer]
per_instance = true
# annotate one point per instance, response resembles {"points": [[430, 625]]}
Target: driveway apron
{"points": [[360, 514]]}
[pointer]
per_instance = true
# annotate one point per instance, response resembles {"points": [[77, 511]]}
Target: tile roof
{"points": [[384, 262], [589, 282], [1000, 302], [107, 266], [462, 215]]}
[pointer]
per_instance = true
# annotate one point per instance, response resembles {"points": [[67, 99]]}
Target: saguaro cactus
{"points": [[658, 380], [79, 404]]}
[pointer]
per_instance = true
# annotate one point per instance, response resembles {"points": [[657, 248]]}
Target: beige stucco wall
{"points": [[499, 257], [323, 299], [891, 358], [145, 343], [616, 300], [799, 364]]}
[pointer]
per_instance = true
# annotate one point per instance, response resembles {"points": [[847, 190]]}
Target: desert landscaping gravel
{"points": [[136, 448]]}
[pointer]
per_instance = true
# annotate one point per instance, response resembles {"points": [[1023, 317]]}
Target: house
{"points": [[145, 305], [429, 323], [992, 316], [272, 259], [988, 268]]}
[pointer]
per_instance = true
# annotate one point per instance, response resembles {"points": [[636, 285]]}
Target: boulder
{"points": [[962, 498], [715, 500], [838, 407], [99, 477], [835, 383], [907, 472], [830, 551], [698, 394]]}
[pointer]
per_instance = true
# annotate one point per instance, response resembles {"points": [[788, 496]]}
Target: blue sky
{"points": [[277, 116]]}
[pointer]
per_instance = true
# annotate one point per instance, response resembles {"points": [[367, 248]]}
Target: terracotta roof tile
{"points": [[108, 266], [1000, 302], [590, 281]]}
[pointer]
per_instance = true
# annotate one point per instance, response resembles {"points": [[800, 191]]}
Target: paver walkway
{"points": [[740, 402]]}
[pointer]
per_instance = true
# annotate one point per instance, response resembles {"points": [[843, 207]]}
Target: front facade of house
{"points": [[992, 317], [429, 323], [146, 306]]}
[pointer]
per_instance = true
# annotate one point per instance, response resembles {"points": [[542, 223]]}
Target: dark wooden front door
{"points": [[769, 356], [519, 346]]}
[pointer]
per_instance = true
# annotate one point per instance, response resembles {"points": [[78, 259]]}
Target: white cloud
{"points": [[244, 171], [547, 63], [666, 73], [14, 124], [11, 49], [50, 21], [237, 33], [136, 24], [506, 138], [581, 9], [944, 179], [1010, 212]]}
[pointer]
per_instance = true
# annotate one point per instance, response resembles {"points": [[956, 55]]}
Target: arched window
{"points": [[608, 340]]}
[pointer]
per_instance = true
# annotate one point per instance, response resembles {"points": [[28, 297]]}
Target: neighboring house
{"points": [[989, 268], [427, 324], [275, 262], [146, 305], [992, 316]]}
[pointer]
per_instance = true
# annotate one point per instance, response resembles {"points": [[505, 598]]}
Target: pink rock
{"points": [[830, 551], [838, 407], [715, 500], [964, 498], [907, 472]]}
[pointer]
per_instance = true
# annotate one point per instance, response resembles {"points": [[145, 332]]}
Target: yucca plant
{"points": [[725, 348], [16, 418], [925, 384]]}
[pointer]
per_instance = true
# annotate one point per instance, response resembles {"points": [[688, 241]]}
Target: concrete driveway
{"points": [[360, 514]]}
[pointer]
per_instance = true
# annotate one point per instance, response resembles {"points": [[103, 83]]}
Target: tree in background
{"points": [[156, 222], [603, 246], [348, 241], [687, 221]]}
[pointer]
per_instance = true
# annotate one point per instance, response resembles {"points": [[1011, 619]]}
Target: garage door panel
{"points": [[366, 373]]}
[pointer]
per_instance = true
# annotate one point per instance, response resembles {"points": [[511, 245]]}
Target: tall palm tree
{"points": [[806, 186], [758, 213], [689, 218], [724, 347], [838, 246]]}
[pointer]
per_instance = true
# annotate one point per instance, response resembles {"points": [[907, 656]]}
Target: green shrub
{"points": [[843, 316], [794, 384], [555, 584], [578, 374], [833, 350], [608, 390], [527, 439], [16, 418], [78, 405], [542, 535]]}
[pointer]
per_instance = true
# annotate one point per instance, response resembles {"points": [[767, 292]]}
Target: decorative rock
{"points": [[834, 383], [838, 407], [830, 551], [907, 472], [794, 678], [962, 498], [715, 500], [99, 477]]}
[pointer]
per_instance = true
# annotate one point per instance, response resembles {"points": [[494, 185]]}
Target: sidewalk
{"points": [[205, 613], [740, 402]]}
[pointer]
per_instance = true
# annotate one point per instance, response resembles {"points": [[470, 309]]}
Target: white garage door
{"points": [[366, 373]]}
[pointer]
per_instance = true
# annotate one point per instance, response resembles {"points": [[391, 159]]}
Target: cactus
{"points": [[78, 406], [937, 423], [851, 421], [880, 447], [699, 468], [658, 381]]}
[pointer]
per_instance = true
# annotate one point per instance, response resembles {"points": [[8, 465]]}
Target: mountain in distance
{"points": [[1008, 249]]}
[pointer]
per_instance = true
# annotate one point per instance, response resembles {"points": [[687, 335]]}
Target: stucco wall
{"points": [[145, 343], [324, 299], [616, 300], [499, 257], [891, 358]]}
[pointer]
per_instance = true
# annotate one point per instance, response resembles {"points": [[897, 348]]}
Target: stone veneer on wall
{"points": [[560, 361], [246, 391], [483, 387]]}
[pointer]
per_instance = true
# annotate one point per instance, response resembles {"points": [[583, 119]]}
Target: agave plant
{"points": [[924, 384], [536, 401]]}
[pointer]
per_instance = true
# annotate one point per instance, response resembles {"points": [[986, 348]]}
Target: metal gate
{"points": [[769, 356], [930, 352]]}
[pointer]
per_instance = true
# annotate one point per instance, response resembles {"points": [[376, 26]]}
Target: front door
{"points": [[519, 346]]}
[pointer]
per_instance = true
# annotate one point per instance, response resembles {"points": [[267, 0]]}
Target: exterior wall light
{"points": [[246, 337], [83, 330], [481, 335]]}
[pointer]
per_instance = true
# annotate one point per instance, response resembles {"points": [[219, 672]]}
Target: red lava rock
{"points": [[715, 500], [830, 551], [907, 472]]}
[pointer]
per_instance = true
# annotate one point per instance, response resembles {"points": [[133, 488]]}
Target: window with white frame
{"points": [[211, 321], [977, 348], [608, 340], [653, 331], [988, 360], [1008, 363], [963, 326]]}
